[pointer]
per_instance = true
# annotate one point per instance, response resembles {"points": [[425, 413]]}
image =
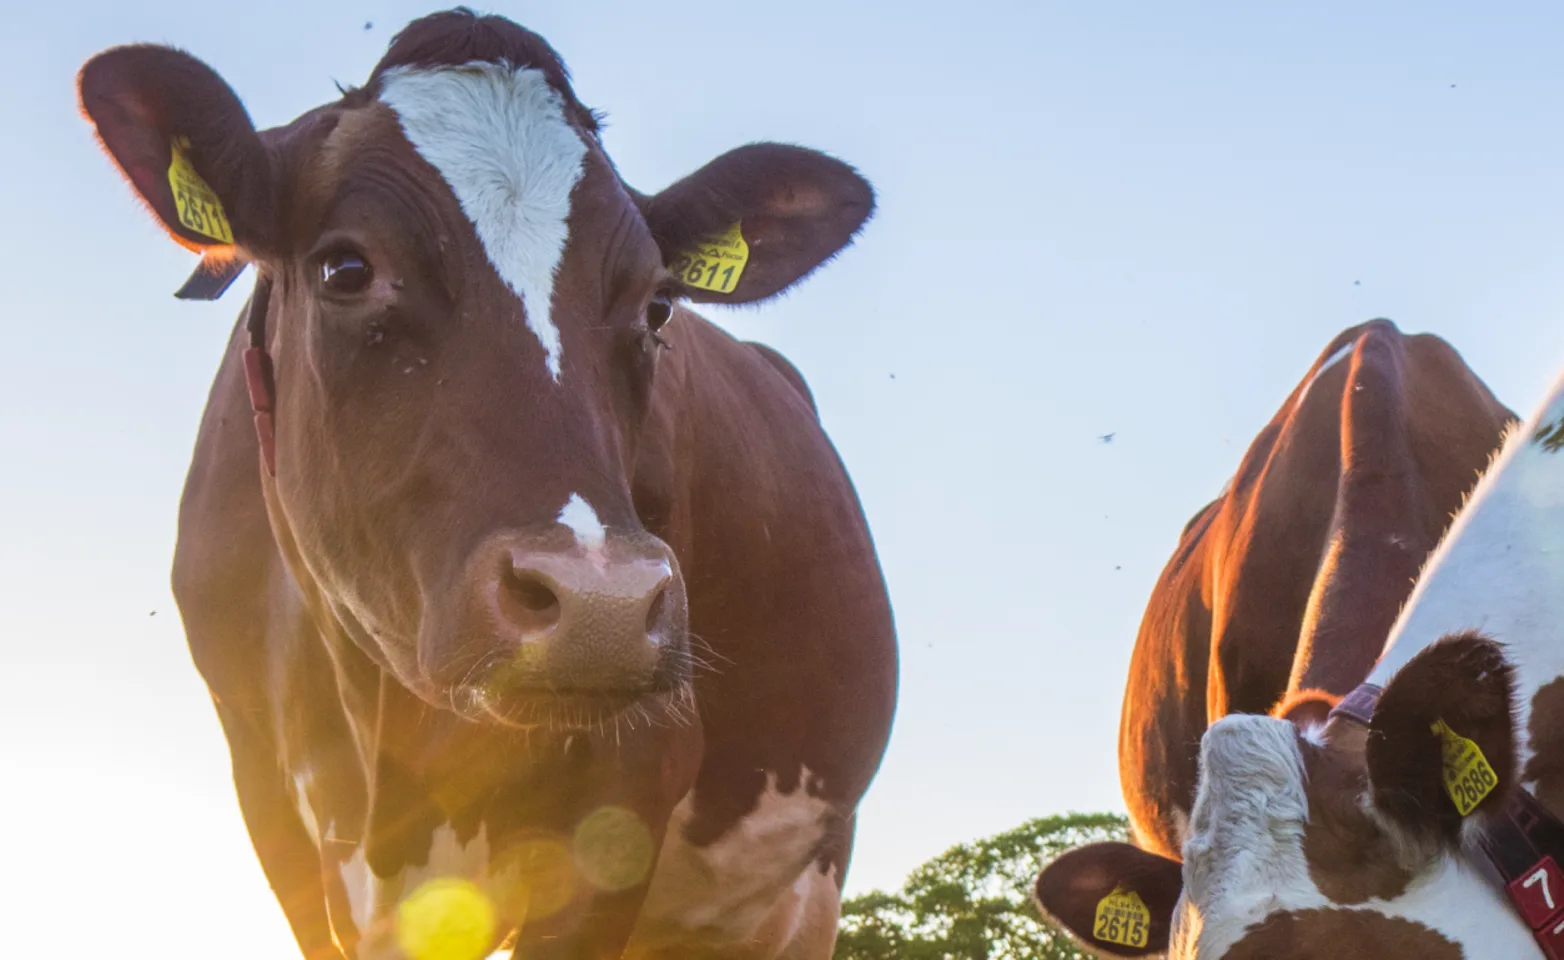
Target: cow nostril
{"points": [[534, 595], [657, 613], [527, 602]]}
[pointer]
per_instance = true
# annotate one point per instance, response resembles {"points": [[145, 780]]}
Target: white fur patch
{"points": [[374, 900], [301, 800], [1243, 858], [1313, 733], [582, 520], [1499, 568], [758, 881], [499, 137], [1342, 353]]}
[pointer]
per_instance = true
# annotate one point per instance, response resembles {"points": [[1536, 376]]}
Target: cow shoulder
{"points": [[789, 373]]}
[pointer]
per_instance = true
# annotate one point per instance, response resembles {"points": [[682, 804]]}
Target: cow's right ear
{"points": [[1442, 745], [184, 141], [1116, 898]]}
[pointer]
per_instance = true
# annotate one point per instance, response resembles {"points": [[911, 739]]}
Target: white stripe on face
{"points": [[499, 137], [582, 520]]}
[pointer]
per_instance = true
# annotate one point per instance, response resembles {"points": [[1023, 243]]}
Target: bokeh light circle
{"points": [[614, 849], [447, 918]]}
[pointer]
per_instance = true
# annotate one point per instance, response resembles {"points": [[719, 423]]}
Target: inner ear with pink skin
{"points": [[143, 100], [1071, 889], [1465, 682]]}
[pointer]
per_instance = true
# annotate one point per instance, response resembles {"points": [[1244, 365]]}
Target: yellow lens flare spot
{"points": [[614, 849], [541, 879], [447, 918]]}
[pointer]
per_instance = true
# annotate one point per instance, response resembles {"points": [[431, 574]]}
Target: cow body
{"points": [[1371, 845], [545, 585], [1285, 586], [757, 780]]}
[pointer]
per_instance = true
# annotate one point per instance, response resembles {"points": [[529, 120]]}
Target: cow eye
{"points": [[345, 272], [658, 313]]}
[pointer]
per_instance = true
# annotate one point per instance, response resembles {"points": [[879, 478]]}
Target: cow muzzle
{"points": [[542, 625]]}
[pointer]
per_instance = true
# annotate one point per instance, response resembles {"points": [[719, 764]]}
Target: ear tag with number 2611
{"points": [[716, 263], [199, 209]]}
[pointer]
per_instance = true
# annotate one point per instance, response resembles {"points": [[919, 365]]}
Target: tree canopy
{"points": [[974, 901]]}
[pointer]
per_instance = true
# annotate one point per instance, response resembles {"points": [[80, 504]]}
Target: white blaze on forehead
{"points": [[582, 520], [499, 137]]}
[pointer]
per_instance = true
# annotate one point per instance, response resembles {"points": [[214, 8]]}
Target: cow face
{"points": [[465, 306], [1335, 842]]}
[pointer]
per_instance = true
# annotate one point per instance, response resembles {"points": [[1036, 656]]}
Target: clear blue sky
{"points": [[1139, 218]]}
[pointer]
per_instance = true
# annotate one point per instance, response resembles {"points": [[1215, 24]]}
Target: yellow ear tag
{"points": [[199, 209], [716, 263], [1468, 777], [1122, 918]]}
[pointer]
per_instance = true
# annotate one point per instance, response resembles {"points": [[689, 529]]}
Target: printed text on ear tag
{"points": [[1467, 776], [1122, 918], [716, 263], [197, 203]]}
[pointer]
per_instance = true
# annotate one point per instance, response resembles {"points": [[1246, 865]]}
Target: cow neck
{"points": [[1524, 842], [259, 377]]}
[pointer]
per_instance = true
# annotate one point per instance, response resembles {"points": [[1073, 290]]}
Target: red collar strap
{"points": [[211, 278], [1523, 842], [258, 374]]}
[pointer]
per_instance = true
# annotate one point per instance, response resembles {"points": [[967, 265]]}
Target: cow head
{"points": [[1333, 842], [465, 307]]}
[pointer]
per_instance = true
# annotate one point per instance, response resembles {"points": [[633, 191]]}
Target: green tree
{"points": [[974, 901]]}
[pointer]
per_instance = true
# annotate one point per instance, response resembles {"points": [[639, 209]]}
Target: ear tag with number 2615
{"points": [[1122, 918]]}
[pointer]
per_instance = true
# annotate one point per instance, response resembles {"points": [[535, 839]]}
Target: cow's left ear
{"points": [[186, 144], [1442, 745], [756, 220], [1116, 898]]}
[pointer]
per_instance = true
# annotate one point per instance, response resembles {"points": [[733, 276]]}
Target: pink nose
{"points": [[623, 607], [564, 622]]}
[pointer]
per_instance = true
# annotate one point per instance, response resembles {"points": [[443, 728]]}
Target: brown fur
{"points": [[1340, 935], [1350, 858], [1465, 681], [1545, 769]]}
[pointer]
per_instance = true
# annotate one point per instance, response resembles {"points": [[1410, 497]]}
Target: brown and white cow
{"points": [[1421, 821], [497, 589], [1288, 582], [1280, 596]]}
